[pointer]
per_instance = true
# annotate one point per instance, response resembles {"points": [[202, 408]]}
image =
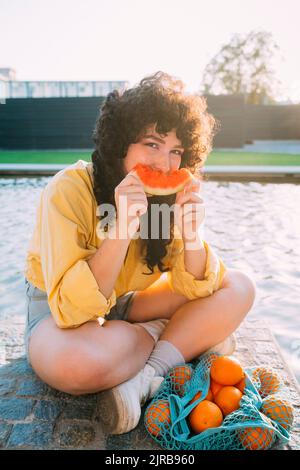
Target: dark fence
{"points": [[48, 123], [68, 123], [276, 122], [229, 110]]}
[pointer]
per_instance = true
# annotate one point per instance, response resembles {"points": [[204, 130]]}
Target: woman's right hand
{"points": [[131, 202]]}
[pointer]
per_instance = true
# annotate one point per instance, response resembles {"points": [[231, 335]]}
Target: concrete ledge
{"points": [[35, 416], [214, 172], [269, 174], [29, 169]]}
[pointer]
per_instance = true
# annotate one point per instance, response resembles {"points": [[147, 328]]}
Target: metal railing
{"points": [[57, 89]]}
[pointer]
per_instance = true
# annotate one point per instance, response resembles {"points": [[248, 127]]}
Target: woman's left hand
{"points": [[189, 210]]}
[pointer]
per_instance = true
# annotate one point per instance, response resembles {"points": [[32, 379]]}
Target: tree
{"points": [[244, 65]]}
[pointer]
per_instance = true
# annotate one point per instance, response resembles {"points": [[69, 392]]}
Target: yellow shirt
{"points": [[64, 237]]}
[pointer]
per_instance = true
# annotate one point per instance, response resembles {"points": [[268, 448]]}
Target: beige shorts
{"points": [[38, 309]]}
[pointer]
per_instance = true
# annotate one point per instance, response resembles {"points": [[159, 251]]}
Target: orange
{"points": [[179, 375], [269, 379], [256, 438], [209, 396], [157, 416], [226, 370], [228, 399], [215, 387], [205, 415], [241, 384], [211, 358], [198, 395], [279, 409]]}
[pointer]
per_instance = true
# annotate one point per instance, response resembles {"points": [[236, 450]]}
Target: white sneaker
{"points": [[226, 347], [120, 406]]}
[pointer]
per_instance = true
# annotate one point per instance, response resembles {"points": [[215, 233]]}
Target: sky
{"points": [[130, 39]]}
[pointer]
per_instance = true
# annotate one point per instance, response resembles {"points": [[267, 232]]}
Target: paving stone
{"points": [[53, 393], [262, 334], [294, 442], [31, 435], [285, 376], [7, 386], [49, 410], [88, 399], [268, 361], [4, 432], [253, 321], [289, 395], [265, 347], [297, 424], [5, 369], [279, 446], [120, 442], [17, 367], [15, 408], [32, 387], [79, 400], [75, 435], [141, 440], [75, 411]]}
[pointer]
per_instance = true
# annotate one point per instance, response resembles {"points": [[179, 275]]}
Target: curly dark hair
{"points": [[158, 99]]}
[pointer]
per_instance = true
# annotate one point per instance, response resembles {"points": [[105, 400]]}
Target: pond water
{"points": [[254, 227]]}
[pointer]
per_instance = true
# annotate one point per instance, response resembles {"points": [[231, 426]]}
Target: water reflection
{"points": [[254, 227]]}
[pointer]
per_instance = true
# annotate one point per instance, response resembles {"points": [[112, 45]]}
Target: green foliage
{"points": [[244, 66]]}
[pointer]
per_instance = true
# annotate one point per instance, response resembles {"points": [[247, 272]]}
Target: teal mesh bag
{"points": [[248, 428]]}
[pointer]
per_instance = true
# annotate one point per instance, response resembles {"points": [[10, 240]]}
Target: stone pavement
{"points": [[35, 416]]}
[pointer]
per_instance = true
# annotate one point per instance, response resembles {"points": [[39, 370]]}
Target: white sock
{"points": [[154, 327], [165, 356]]}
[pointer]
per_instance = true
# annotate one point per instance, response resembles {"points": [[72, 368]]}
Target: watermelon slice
{"points": [[158, 183]]}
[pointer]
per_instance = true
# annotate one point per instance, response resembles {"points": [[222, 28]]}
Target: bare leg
{"points": [[157, 301], [200, 324], [93, 357], [193, 328], [89, 358]]}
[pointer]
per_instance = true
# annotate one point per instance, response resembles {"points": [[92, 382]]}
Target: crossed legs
{"points": [[92, 358]]}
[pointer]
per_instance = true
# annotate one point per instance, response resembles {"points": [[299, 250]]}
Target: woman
{"points": [[101, 316]]}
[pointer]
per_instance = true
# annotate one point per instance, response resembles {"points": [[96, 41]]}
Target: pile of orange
{"points": [[227, 385]]}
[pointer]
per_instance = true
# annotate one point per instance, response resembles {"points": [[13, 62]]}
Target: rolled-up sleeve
{"points": [[73, 293], [183, 282]]}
